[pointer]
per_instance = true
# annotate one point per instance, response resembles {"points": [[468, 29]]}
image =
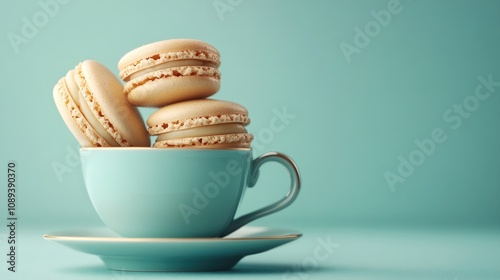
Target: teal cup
{"points": [[154, 193]]}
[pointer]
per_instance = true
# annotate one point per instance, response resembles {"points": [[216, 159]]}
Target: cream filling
{"points": [[77, 117], [170, 64], [181, 71], [219, 129], [198, 122], [160, 58], [85, 109]]}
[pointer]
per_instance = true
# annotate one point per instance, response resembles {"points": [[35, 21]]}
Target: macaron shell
{"points": [[103, 92], [74, 119], [194, 113], [166, 50], [163, 87]]}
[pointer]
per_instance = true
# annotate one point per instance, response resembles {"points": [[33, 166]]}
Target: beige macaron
{"points": [[91, 102], [170, 71], [201, 123]]}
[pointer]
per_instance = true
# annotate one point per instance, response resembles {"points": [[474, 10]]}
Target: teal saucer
{"points": [[173, 254]]}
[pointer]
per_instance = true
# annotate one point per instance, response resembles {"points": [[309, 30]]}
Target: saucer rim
{"points": [[163, 254], [55, 236]]}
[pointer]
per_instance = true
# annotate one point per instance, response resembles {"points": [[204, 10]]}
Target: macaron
{"points": [[90, 100], [201, 123], [170, 71]]}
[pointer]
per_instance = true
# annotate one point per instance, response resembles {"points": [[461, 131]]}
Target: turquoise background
{"points": [[350, 121]]}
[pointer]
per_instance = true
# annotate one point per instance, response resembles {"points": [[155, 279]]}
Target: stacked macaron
{"points": [[176, 76], [200, 123], [170, 71]]}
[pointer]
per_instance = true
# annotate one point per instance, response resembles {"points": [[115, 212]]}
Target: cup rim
{"points": [[159, 149]]}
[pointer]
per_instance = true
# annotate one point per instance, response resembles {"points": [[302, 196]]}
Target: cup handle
{"points": [[277, 206]]}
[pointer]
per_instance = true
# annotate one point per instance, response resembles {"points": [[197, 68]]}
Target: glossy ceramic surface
{"points": [[148, 192], [173, 254]]}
